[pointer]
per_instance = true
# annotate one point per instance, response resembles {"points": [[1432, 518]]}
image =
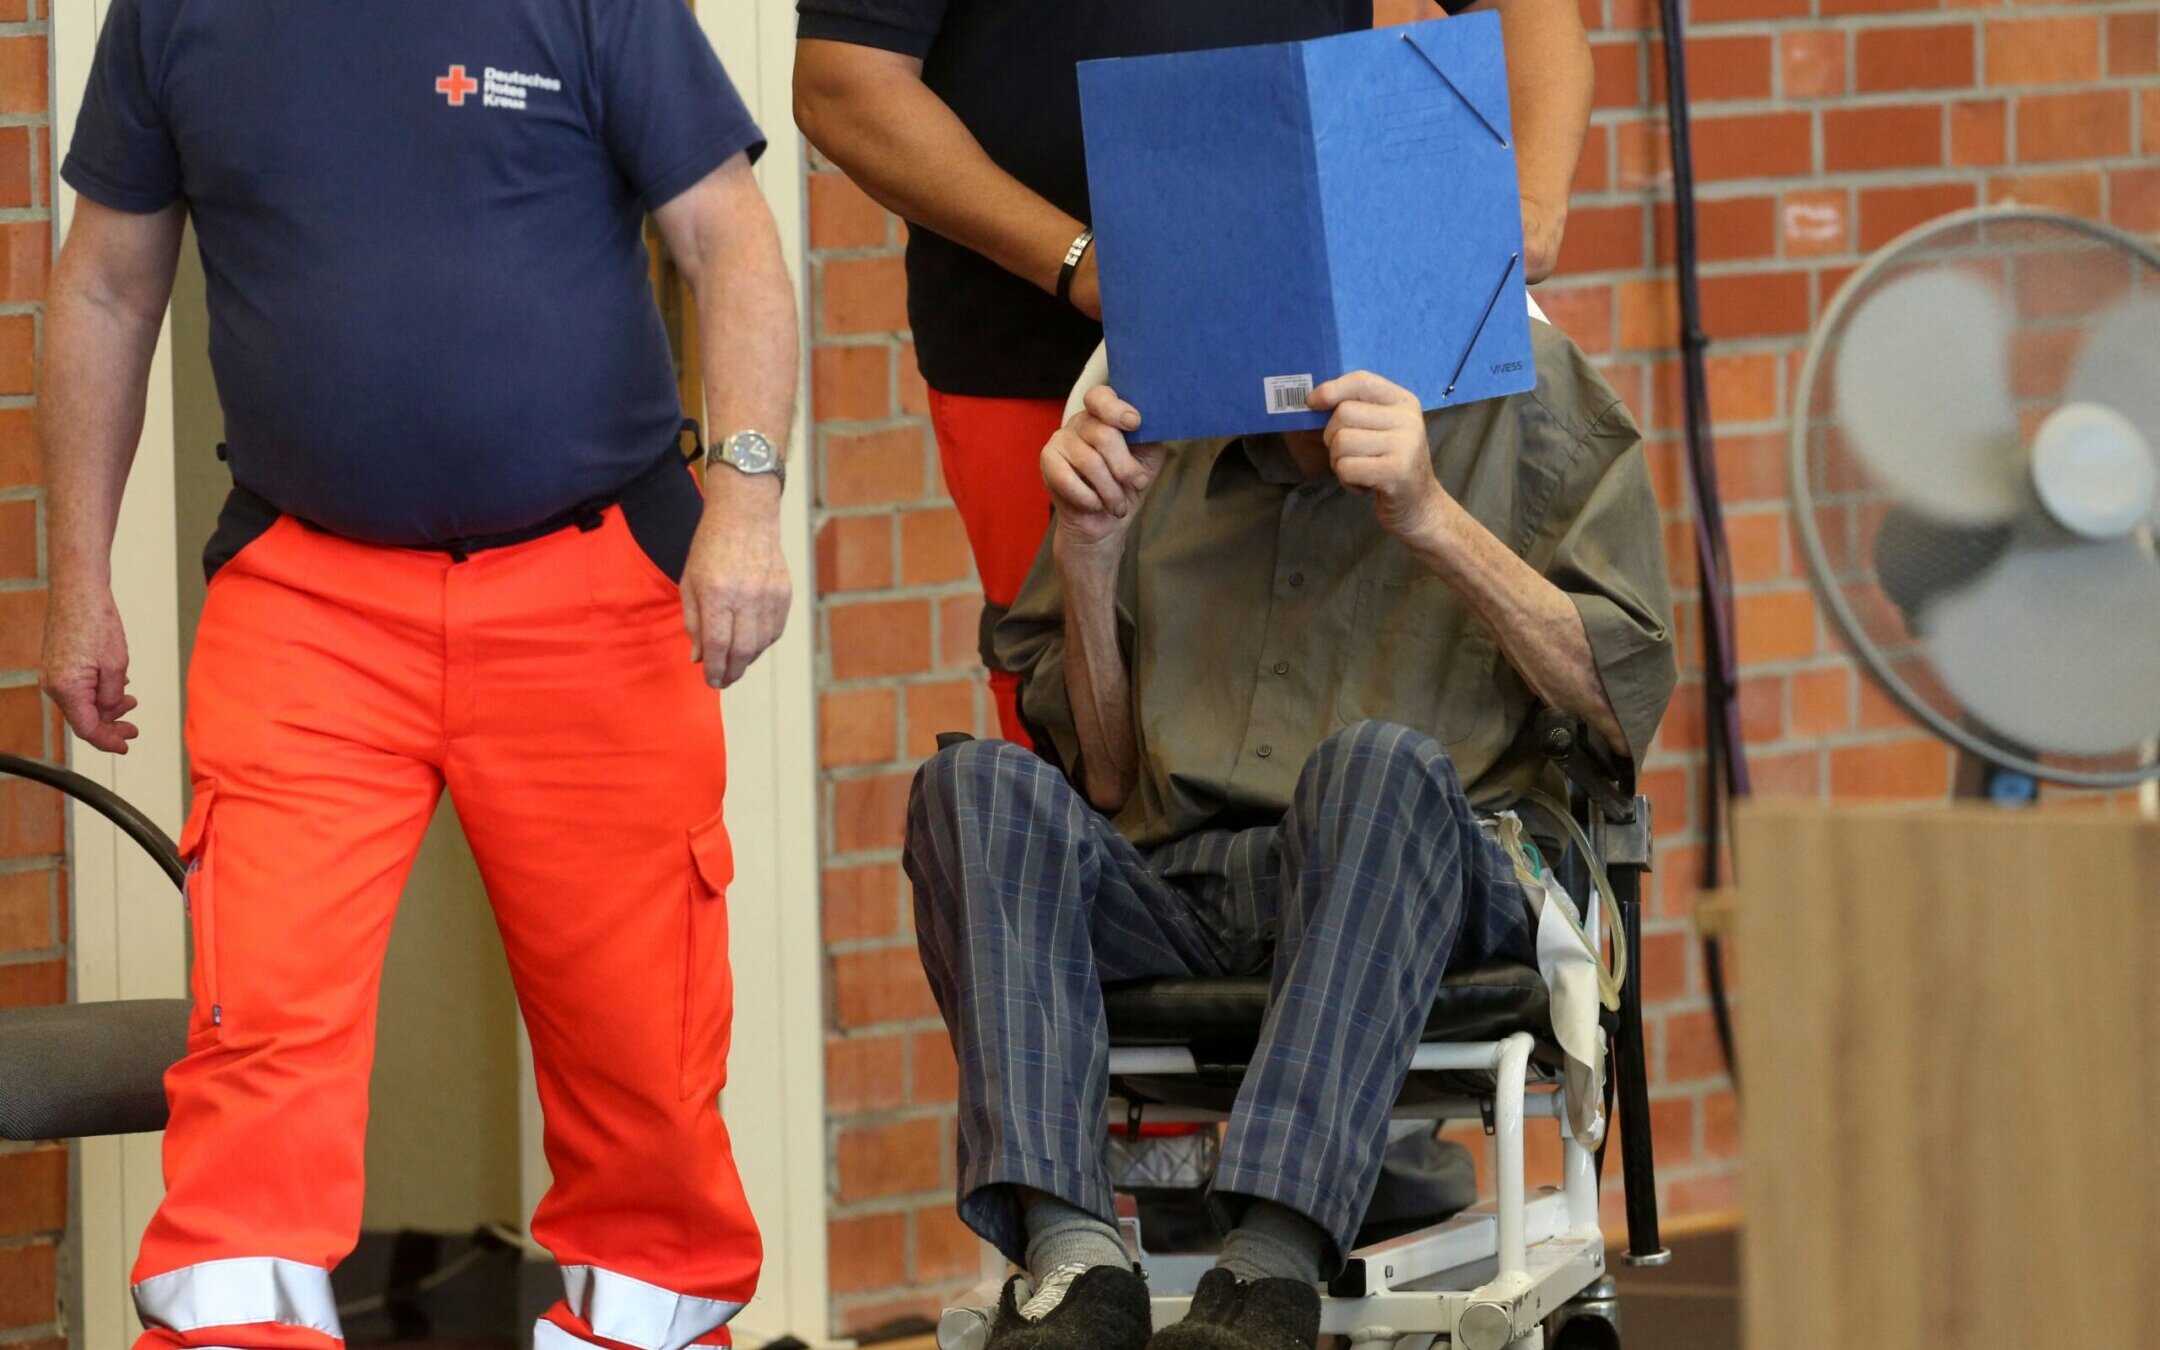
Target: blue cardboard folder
{"points": [[1272, 217]]}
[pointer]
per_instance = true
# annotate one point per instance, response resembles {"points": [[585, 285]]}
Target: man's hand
{"points": [[1542, 228], [85, 666], [1376, 444], [735, 587], [1096, 478]]}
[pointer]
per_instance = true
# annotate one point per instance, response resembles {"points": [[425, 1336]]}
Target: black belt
{"points": [[586, 516]]}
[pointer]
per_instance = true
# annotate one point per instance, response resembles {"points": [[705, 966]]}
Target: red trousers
{"points": [[336, 690], [991, 449]]}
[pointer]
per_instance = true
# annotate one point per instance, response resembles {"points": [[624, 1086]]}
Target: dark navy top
{"points": [[1007, 70], [421, 223]]}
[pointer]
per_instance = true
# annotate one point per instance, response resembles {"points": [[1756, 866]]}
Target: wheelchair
{"points": [[1517, 1273]]}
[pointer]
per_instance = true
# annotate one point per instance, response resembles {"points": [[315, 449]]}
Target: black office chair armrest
{"points": [[133, 823], [91, 1068]]}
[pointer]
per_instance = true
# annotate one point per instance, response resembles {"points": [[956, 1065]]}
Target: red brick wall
{"points": [[1823, 128], [897, 613], [33, 879]]}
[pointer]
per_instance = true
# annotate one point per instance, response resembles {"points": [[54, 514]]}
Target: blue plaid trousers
{"points": [[1027, 901]]}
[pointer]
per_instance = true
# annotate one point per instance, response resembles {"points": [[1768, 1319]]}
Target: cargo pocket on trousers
{"points": [[708, 983], [198, 850]]}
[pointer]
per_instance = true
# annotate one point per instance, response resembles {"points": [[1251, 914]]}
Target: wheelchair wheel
{"points": [[1585, 1331]]}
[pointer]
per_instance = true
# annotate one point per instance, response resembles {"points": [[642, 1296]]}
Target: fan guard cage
{"points": [[2060, 273]]}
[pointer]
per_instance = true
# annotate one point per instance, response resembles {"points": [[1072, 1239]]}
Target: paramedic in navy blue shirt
{"points": [[963, 117], [461, 554]]}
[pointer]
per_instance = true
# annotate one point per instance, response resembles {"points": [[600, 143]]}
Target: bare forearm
{"points": [[722, 236], [1538, 626], [908, 150], [1550, 82], [92, 385], [1095, 677], [747, 338]]}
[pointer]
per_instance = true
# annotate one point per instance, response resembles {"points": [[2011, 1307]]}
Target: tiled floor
{"points": [[1691, 1304]]}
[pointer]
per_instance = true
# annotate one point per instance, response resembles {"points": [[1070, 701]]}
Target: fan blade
{"points": [[1923, 384], [2058, 648], [2120, 369], [1920, 559]]}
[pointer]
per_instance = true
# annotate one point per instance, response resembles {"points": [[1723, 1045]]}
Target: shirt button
{"points": [[1297, 578], [1264, 751], [1282, 667]]}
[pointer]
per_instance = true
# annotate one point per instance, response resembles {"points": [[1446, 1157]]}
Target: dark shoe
{"points": [[1105, 1308], [1230, 1314]]}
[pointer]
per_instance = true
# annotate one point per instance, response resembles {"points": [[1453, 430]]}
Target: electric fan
{"points": [[1975, 467]]}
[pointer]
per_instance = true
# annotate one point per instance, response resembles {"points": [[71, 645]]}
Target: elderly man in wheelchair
{"points": [[1279, 684]]}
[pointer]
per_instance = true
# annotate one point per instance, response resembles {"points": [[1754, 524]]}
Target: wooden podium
{"points": [[1949, 1027]]}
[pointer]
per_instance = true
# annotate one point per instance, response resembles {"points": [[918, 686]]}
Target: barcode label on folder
{"points": [[1287, 393]]}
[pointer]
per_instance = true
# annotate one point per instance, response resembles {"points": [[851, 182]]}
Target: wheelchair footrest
{"points": [[1470, 1239]]}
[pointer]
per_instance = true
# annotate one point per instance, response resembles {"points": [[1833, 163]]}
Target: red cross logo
{"points": [[456, 85]]}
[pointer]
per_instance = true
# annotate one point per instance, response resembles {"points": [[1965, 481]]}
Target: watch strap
{"points": [[1073, 255]]}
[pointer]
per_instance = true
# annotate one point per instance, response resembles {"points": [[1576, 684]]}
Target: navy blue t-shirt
{"points": [[421, 225]]}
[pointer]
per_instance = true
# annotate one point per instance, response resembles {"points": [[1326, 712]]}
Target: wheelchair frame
{"points": [[1505, 1273], [1514, 1261]]}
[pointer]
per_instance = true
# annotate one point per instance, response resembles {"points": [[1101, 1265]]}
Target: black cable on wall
{"points": [[1725, 768]]}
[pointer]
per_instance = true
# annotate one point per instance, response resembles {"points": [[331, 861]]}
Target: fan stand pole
{"points": [[1978, 779], [1969, 779]]}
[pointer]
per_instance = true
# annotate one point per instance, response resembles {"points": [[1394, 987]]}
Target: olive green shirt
{"points": [[1261, 612]]}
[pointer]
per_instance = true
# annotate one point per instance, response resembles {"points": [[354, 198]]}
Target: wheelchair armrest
{"points": [[1606, 779]]}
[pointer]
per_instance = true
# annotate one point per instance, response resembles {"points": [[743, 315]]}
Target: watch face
{"points": [[750, 452]]}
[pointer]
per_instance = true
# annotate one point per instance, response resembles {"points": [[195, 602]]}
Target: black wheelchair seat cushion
{"points": [[1219, 1021], [1217, 1016], [88, 1068]]}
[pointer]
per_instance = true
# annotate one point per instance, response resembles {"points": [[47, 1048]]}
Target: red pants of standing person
{"points": [[991, 449], [336, 690]]}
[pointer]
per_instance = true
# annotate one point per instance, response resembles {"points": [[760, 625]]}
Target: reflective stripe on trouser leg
{"points": [[237, 1292], [635, 1312]]}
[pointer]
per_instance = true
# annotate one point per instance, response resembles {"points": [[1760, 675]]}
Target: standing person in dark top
{"points": [[463, 554], [963, 117]]}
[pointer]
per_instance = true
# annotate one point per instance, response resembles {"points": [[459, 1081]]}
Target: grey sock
{"points": [[1274, 1243], [1063, 1235]]}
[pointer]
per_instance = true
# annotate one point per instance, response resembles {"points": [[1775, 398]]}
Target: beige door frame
{"points": [[129, 935]]}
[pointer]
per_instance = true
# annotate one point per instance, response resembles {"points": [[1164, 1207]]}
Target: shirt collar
{"points": [[1264, 455]]}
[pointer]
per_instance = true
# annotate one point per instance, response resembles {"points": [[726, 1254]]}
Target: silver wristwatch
{"points": [[748, 452]]}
